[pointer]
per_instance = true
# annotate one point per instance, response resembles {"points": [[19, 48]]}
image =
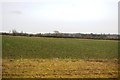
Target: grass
{"points": [[38, 57]]}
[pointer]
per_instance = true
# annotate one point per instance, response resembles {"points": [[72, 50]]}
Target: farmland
{"points": [[42, 57]]}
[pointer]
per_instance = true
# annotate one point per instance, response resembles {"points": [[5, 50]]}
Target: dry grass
{"points": [[59, 68]]}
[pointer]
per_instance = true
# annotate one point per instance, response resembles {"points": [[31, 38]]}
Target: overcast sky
{"points": [[83, 16]]}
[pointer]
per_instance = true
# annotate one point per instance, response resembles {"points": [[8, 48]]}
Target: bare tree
{"points": [[14, 32], [56, 32]]}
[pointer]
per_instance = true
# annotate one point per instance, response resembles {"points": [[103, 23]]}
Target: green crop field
{"points": [[40, 57], [37, 47]]}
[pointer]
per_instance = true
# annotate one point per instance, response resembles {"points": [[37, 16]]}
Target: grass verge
{"points": [[59, 68]]}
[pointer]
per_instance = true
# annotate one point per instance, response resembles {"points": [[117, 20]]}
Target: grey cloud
{"points": [[16, 12]]}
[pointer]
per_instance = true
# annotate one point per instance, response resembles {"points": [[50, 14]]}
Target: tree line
{"points": [[57, 34]]}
